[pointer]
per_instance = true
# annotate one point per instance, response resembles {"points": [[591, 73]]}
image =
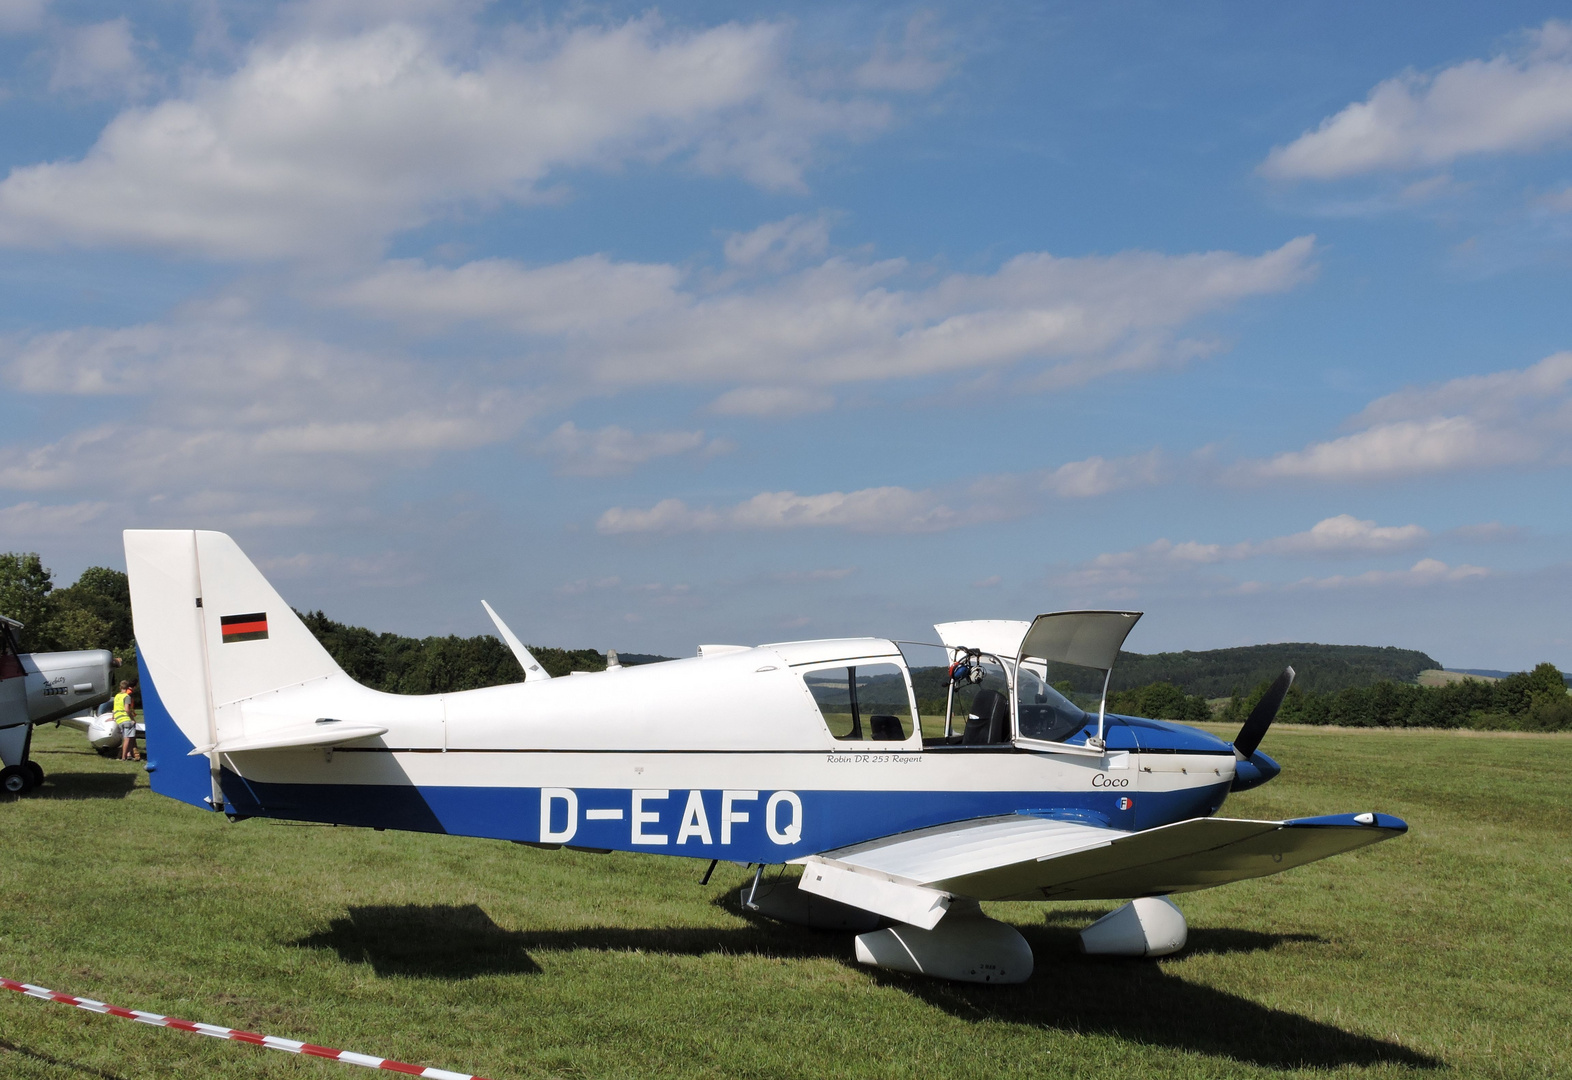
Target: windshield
{"points": [[1045, 713]]}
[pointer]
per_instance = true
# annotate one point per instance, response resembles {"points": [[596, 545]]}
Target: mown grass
{"points": [[1441, 953]]}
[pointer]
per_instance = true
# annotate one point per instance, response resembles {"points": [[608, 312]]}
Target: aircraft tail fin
{"points": [[211, 632]]}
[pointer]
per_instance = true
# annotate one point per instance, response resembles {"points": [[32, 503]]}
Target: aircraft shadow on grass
{"points": [[8, 1047], [1131, 999], [85, 785]]}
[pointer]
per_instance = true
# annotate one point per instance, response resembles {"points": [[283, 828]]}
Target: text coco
{"points": [[560, 815]]}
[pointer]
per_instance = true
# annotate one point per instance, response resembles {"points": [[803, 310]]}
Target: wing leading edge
{"points": [[1023, 857]]}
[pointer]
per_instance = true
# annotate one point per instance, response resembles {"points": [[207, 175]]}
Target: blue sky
{"points": [[663, 326]]}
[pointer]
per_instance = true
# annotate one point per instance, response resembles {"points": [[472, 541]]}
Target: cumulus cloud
{"points": [[1099, 475], [98, 59], [1423, 572], [1515, 417], [26, 519], [610, 450], [568, 298], [915, 62], [239, 405], [1515, 101], [771, 401], [890, 509], [778, 244], [840, 320], [1342, 536], [881, 509], [21, 16], [334, 140]]}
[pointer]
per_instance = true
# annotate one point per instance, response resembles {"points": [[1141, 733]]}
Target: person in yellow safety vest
{"points": [[125, 716]]}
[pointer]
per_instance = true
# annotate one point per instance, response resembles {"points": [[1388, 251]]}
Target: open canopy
{"points": [[1085, 638]]}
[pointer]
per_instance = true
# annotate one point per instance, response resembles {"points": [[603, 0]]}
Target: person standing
{"points": [[125, 716]]}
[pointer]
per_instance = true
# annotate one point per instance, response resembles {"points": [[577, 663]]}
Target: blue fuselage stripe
{"points": [[680, 823]]}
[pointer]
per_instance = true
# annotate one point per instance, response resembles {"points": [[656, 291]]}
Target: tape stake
{"points": [[269, 1042]]}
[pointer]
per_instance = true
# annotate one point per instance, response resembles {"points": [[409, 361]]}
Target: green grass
{"points": [[1444, 952]]}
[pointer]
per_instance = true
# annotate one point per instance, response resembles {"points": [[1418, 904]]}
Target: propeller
{"points": [[1261, 717]]}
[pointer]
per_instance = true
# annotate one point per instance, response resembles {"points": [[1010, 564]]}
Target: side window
{"points": [[862, 702]]}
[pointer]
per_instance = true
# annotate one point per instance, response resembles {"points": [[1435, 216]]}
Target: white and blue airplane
{"points": [[811, 753]]}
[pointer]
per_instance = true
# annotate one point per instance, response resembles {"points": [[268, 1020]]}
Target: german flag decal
{"points": [[244, 627]]}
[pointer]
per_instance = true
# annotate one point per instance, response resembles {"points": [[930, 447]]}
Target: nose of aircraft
{"points": [[1254, 771]]}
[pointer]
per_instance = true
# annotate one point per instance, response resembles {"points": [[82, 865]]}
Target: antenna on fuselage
{"points": [[533, 672]]}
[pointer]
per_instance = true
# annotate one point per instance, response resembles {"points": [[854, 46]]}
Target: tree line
{"points": [[95, 613], [1534, 700], [1346, 685], [435, 665]]}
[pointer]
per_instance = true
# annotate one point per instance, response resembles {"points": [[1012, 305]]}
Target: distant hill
{"points": [[1218, 673], [1492, 673]]}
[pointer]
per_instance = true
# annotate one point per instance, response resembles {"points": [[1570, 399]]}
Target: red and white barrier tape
{"points": [[271, 1042]]}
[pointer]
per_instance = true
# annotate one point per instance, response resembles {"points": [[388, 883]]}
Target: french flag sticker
{"points": [[1125, 802]]}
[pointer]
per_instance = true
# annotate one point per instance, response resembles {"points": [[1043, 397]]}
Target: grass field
{"points": [[1445, 952]]}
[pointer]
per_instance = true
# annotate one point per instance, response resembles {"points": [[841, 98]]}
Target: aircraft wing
{"points": [[1023, 857]]}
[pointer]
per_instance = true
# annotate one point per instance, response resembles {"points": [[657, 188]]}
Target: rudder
{"points": [[210, 632]]}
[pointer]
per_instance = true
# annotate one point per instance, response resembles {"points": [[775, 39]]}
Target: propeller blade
{"points": [[1261, 717]]}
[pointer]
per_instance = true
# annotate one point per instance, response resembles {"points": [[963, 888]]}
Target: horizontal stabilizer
{"points": [[1021, 857], [299, 737]]}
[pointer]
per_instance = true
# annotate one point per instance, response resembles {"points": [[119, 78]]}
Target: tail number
{"points": [[649, 808]]}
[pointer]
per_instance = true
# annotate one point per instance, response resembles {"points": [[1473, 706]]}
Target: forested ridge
{"points": [[1217, 673]]}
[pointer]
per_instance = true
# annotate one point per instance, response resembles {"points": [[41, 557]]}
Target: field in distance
{"points": [[1442, 950]]}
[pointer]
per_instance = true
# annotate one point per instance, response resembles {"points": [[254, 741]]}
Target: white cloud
{"points": [[333, 141], [779, 244], [218, 400], [570, 298], [1515, 417], [841, 320], [1423, 572], [21, 16], [99, 59], [890, 509], [882, 509], [771, 401], [1343, 536], [613, 449], [36, 519], [1513, 102], [1099, 476], [913, 63]]}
